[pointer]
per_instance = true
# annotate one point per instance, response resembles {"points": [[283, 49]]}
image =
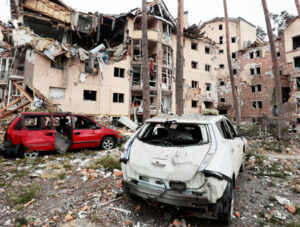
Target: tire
{"points": [[108, 143], [225, 205]]}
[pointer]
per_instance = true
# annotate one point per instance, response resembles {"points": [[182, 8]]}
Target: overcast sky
{"points": [[199, 10]]}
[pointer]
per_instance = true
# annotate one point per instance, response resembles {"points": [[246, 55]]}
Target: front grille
{"points": [[177, 186]]}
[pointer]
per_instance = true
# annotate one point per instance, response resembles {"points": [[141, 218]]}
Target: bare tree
{"points": [[278, 92], [234, 91], [145, 66], [179, 60], [298, 7]]}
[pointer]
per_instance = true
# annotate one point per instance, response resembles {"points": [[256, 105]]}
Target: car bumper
{"points": [[168, 197]]}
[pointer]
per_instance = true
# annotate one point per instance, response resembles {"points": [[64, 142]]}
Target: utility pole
{"points": [[278, 91], [234, 90], [298, 7], [145, 65], [179, 60]]}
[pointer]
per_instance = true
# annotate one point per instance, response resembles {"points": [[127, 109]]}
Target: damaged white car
{"points": [[189, 160]]}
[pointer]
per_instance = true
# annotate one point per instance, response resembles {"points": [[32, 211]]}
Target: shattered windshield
{"points": [[174, 134]]}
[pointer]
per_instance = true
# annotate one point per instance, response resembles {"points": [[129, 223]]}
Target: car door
{"points": [[38, 132], [85, 133], [238, 147]]}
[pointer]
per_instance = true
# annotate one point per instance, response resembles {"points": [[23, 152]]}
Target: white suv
{"points": [[188, 160]]}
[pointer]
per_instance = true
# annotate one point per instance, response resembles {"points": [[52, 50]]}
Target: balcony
{"points": [[152, 35]]}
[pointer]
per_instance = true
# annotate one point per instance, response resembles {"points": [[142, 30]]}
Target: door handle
{"points": [[49, 134], [77, 133]]}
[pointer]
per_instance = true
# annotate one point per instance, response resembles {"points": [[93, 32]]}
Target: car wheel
{"points": [[108, 143], [226, 204]]}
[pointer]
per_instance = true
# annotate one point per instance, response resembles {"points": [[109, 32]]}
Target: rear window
{"points": [[174, 134]]}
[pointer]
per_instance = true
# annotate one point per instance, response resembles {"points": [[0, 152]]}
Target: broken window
{"points": [[118, 98], [221, 51], [83, 123], [167, 56], [280, 72], [89, 95], [194, 104], [256, 88], [251, 55], [194, 65], [278, 54], [137, 50], [257, 104], [166, 79], [207, 50], [194, 46], [119, 72], [194, 84], [136, 75], [233, 55], [5, 68], [59, 62], [297, 63], [252, 71], [220, 26], [208, 105], [285, 91], [208, 87], [221, 66], [37, 122], [298, 83], [221, 39], [234, 71], [233, 39], [258, 70], [56, 93], [258, 53], [296, 42], [207, 68], [222, 83], [222, 99], [174, 134]]}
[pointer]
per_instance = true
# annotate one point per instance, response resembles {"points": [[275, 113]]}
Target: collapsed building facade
{"points": [[92, 63]]}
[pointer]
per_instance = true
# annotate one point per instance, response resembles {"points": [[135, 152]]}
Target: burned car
{"points": [[189, 160], [30, 133]]}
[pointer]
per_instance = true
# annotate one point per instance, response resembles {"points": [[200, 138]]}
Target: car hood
{"points": [[177, 163]]}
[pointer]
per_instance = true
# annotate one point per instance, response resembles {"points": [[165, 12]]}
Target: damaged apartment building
{"points": [[252, 69], [91, 63]]}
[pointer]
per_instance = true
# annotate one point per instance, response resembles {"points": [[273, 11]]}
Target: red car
{"points": [[31, 133]]}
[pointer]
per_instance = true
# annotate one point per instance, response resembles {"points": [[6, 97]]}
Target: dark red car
{"points": [[31, 133]]}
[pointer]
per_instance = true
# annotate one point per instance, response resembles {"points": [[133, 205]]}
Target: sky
{"points": [[199, 10]]}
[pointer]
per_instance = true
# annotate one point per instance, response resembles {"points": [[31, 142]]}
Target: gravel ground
{"points": [[85, 189]]}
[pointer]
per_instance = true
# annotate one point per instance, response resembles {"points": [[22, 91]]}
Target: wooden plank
{"points": [[23, 91], [12, 103], [41, 96], [12, 111]]}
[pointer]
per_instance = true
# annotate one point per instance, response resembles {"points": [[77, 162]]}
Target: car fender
{"points": [[222, 162]]}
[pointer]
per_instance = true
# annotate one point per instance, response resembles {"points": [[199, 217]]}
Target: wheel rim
{"points": [[32, 154], [108, 144]]}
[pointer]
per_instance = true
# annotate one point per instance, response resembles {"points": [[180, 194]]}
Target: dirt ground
{"points": [[85, 189]]}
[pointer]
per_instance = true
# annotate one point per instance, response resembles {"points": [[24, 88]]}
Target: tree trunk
{"points": [[298, 7], [278, 92], [145, 66], [179, 60], [234, 90]]}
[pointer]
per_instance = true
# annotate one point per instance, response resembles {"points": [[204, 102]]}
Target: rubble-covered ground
{"points": [[84, 188]]}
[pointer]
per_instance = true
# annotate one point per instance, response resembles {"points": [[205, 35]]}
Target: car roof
{"points": [[43, 113], [188, 118]]}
